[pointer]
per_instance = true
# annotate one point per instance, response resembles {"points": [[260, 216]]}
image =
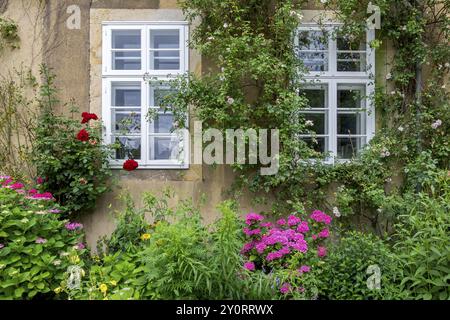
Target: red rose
{"points": [[130, 165], [83, 135], [88, 116]]}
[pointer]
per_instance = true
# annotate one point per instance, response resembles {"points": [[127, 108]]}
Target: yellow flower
{"points": [[103, 288], [113, 282], [74, 259], [146, 236], [58, 290]]}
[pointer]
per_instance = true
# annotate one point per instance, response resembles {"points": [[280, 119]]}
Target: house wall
{"points": [[76, 57]]}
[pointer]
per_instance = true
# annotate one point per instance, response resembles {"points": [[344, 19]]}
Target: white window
{"points": [[338, 85], [133, 111]]}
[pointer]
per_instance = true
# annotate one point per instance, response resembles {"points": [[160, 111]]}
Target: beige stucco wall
{"points": [[76, 57]]}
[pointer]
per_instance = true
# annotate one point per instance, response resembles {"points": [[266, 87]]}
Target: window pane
{"points": [[165, 60], [315, 61], [347, 148], [318, 144], [318, 122], [313, 40], [351, 123], [126, 94], [351, 96], [165, 148], [165, 39], [317, 97], [353, 62], [126, 39], [129, 148], [313, 50], [126, 60], [163, 123], [126, 121], [159, 94], [344, 43], [351, 55]]}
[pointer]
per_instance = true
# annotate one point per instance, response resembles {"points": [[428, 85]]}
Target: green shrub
{"points": [[345, 272], [36, 247], [423, 246]]}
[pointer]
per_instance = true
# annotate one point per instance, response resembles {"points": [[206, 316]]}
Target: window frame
{"points": [[109, 77], [332, 79]]}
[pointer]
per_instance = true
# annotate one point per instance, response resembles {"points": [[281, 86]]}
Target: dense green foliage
{"points": [[345, 271], [35, 246]]}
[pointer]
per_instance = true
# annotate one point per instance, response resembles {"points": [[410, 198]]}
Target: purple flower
{"points": [[250, 266], [293, 220], [303, 227], [16, 186], [321, 252], [266, 224], [304, 269], [2, 245], [54, 211], [41, 240], [285, 288], [252, 217], [281, 222], [319, 216], [325, 233], [81, 246], [73, 226], [260, 247], [247, 247]]}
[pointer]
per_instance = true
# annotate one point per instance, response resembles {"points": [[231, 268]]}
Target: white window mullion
{"points": [[370, 113], [332, 124], [332, 53], [144, 123], [106, 111]]}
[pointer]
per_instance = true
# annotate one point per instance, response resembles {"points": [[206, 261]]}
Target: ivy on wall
{"points": [[253, 85], [9, 36]]}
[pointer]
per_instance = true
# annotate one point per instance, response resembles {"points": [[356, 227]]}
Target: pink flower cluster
{"points": [[319, 216], [8, 182], [272, 243], [71, 226]]}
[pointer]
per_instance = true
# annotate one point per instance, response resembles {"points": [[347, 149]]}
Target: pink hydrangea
{"points": [[250, 232], [266, 224], [32, 191], [303, 227], [325, 233], [253, 217], [281, 222], [247, 247], [250, 266], [16, 185], [293, 220], [321, 252], [73, 226], [320, 216]]}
